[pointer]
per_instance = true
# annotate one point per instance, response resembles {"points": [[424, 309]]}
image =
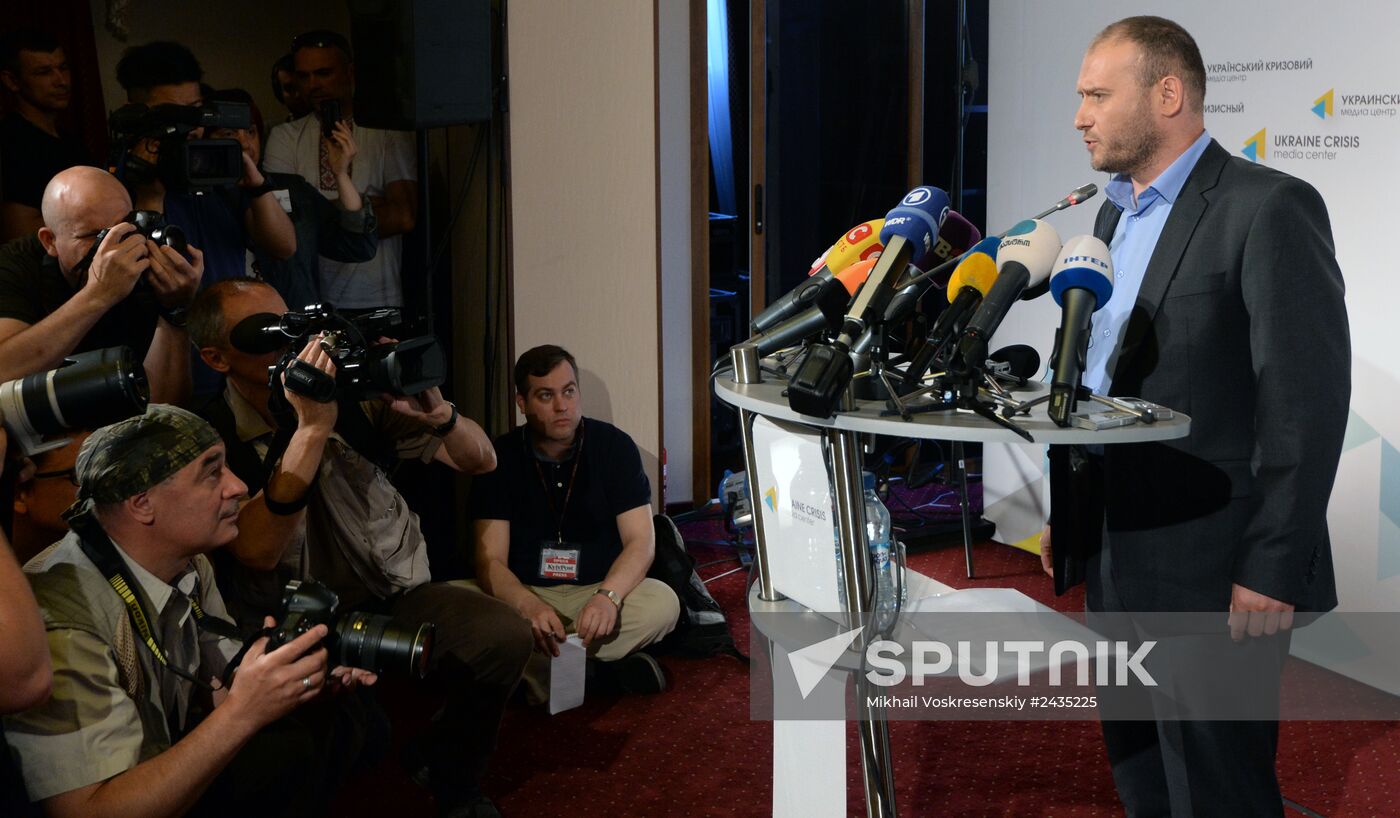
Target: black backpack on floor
{"points": [[702, 630]]}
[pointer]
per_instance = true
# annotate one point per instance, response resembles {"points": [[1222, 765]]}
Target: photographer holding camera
{"points": [[327, 509], [67, 290], [224, 221], [145, 718]]}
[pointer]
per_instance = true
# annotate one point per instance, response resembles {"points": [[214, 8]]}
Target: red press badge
{"points": [[559, 563]]}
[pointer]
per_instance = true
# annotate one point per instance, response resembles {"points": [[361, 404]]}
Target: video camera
{"points": [[355, 639], [183, 165], [88, 390], [364, 367]]}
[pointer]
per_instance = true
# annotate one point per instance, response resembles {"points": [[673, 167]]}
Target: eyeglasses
{"points": [[71, 473]]}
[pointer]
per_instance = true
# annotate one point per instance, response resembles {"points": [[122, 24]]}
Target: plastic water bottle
{"points": [[879, 530]]}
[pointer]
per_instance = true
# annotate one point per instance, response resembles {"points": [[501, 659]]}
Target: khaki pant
{"points": [[648, 614]]}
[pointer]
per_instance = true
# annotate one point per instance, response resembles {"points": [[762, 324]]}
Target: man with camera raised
{"points": [[224, 222], [145, 718], [327, 509], [77, 286], [385, 169]]}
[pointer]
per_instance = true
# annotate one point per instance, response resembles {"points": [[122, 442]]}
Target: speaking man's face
{"points": [[1114, 113]]}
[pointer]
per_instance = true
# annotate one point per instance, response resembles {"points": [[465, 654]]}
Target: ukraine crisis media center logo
{"points": [[1254, 146], [770, 497], [1323, 105]]}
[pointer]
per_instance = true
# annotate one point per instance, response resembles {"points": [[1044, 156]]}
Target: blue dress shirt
{"points": [[1134, 239]]}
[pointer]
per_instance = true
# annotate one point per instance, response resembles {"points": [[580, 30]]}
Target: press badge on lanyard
{"points": [[559, 559]]}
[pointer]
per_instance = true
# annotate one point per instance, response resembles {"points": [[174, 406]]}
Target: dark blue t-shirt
{"points": [[213, 223], [609, 480]]}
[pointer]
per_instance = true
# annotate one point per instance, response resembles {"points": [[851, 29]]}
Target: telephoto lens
{"points": [[90, 390], [379, 643]]}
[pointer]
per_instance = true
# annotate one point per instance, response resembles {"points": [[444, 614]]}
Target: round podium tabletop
{"points": [[768, 399]]}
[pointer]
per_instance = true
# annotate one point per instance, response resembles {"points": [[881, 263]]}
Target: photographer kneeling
{"points": [[143, 719], [327, 509]]}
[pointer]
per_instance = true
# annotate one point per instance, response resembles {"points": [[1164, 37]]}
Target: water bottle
{"points": [[879, 532]]}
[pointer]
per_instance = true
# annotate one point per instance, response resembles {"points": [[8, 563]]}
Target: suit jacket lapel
{"points": [[1186, 214]]}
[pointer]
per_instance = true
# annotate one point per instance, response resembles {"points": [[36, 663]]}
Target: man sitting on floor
{"points": [[564, 532]]}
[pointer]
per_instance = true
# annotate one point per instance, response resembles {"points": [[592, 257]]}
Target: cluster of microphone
{"points": [[877, 272]]}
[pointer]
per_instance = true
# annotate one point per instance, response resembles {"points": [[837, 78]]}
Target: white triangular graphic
{"points": [[810, 664]]}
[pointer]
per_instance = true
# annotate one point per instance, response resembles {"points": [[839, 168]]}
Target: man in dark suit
{"points": [[1228, 306]]}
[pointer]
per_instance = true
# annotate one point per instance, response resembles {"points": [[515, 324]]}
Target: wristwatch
{"points": [[447, 427], [611, 595]]}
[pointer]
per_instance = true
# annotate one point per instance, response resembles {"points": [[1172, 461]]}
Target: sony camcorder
{"points": [[365, 368], [183, 165]]}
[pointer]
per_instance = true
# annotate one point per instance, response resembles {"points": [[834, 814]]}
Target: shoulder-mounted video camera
{"points": [[183, 165]]}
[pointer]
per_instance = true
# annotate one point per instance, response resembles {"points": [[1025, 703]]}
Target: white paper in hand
{"points": [[566, 673]]}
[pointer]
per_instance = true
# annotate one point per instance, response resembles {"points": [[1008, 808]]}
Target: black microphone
{"points": [[258, 334], [909, 231], [826, 312], [1018, 362], [857, 244], [1081, 282]]}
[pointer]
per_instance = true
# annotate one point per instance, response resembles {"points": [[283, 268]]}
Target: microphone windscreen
{"points": [[1022, 359], [857, 244], [917, 218], [258, 334], [954, 238], [1084, 263], [856, 274], [977, 271], [1033, 244]]}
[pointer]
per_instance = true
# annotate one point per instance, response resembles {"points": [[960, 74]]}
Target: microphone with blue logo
{"points": [[1082, 282], [1024, 258], [909, 232]]}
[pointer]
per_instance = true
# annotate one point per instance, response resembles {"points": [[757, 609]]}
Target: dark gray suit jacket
{"points": [[1241, 324]]}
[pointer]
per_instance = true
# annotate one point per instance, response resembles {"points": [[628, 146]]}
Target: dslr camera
{"points": [[364, 367], [183, 165], [355, 639]]}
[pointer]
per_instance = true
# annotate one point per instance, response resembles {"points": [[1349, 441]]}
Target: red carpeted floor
{"points": [[693, 750]]}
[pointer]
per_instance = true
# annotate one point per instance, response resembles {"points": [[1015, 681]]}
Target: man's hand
{"points": [[597, 620], [427, 407], [1255, 614], [268, 686], [117, 265], [175, 280], [341, 149], [544, 624], [313, 415], [348, 677], [1047, 554], [252, 177]]}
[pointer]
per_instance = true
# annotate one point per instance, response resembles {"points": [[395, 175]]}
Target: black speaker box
{"points": [[421, 63]]}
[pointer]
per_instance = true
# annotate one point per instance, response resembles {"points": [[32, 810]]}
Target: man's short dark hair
{"points": [[1167, 50], [285, 64], [24, 40], [539, 362], [143, 67], [205, 319], [323, 38]]}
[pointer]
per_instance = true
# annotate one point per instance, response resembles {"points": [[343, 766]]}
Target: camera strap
{"points": [[99, 548]]}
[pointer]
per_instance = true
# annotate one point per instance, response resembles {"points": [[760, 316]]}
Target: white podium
{"points": [[809, 757]]}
